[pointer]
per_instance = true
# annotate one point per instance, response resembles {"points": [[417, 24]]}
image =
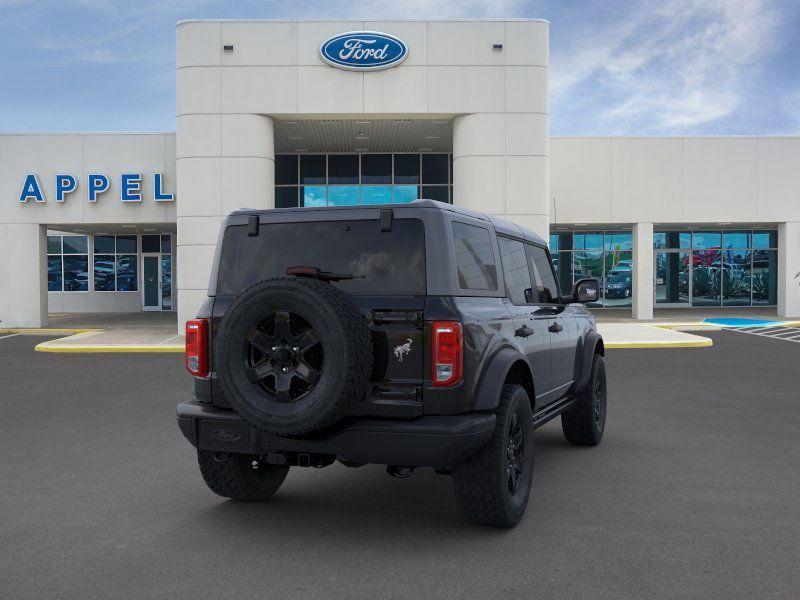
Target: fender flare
{"points": [[590, 348], [494, 375]]}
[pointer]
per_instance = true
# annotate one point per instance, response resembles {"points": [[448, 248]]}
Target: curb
{"points": [[45, 331], [43, 347], [704, 343]]}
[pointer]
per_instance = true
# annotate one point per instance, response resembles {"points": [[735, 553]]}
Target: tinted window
{"points": [[515, 270], [391, 263], [104, 272], [54, 244], [434, 168], [312, 168], [285, 197], [376, 168], [285, 169], [151, 243], [75, 244], [343, 168], [104, 244], [474, 257], [406, 168], [545, 282], [126, 243]]}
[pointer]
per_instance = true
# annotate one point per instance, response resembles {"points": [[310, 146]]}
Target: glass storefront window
{"points": [[672, 278], [588, 241], [588, 263], [434, 168], [672, 239], [166, 244], [343, 195], [376, 168], [405, 193], [706, 277], [104, 273], [285, 197], [75, 244], [151, 243], [618, 241], [343, 168], [54, 273], [736, 277], [126, 244], [104, 244], [618, 282], [286, 169], [410, 176], [312, 168], [406, 168], [76, 273], [314, 195], [765, 277], [126, 274], [765, 239], [54, 244], [736, 239], [706, 240], [562, 261], [435, 192], [376, 194]]}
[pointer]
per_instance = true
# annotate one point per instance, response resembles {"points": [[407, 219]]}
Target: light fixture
{"points": [[128, 226], [497, 46], [228, 47], [432, 137], [402, 121], [301, 150], [288, 122], [361, 150], [426, 149], [363, 122], [295, 137]]}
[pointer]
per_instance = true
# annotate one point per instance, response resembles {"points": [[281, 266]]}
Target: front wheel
{"points": [[584, 422], [240, 476], [492, 487]]}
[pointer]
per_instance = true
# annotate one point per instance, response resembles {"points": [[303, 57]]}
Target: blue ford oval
{"points": [[363, 50]]}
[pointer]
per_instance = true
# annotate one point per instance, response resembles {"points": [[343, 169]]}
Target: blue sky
{"points": [[617, 68]]}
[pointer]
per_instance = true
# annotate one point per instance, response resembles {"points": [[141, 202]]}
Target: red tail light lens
{"points": [[197, 347], [448, 353]]}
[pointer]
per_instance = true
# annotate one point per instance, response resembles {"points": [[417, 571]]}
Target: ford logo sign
{"points": [[226, 435], [363, 50]]}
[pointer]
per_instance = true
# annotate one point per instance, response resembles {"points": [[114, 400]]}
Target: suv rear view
{"points": [[351, 334]]}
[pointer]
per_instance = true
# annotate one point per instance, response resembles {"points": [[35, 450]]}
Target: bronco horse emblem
{"points": [[403, 349]]}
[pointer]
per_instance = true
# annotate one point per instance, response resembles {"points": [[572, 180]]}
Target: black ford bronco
{"points": [[414, 335]]}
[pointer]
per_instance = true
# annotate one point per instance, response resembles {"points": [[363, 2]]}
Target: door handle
{"points": [[555, 328], [524, 331]]}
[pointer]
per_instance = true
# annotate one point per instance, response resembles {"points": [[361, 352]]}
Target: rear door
{"points": [[559, 321], [530, 333]]}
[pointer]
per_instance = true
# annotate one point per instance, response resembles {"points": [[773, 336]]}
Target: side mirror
{"points": [[586, 290]]}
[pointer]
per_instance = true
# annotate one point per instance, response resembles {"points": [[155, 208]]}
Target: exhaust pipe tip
{"points": [[400, 471]]}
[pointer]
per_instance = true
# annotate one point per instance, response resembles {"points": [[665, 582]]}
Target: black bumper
{"points": [[429, 441]]}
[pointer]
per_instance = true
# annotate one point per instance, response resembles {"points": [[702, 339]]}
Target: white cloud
{"points": [[670, 68]]}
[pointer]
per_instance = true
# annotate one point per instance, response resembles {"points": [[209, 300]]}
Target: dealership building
{"points": [[275, 114]]}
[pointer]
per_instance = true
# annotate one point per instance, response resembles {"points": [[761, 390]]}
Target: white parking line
{"points": [[2, 337], [790, 334]]}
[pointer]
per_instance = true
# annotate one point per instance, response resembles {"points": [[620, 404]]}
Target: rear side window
{"points": [[515, 270], [388, 263], [474, 257], [543, 273]]}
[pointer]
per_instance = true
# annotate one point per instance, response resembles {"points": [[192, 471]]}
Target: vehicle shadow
{"points": [[354, 503]]}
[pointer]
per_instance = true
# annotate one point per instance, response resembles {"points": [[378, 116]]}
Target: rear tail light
{"points": [[197, 347], [448, 353]]}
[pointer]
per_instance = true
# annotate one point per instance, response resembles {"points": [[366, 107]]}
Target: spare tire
{"points": [[291, 353]]}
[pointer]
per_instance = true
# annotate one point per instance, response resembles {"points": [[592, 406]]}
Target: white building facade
{"points": [[269, 116]]}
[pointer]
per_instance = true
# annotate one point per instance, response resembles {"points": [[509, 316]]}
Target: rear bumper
{"points": [[429, 441]]}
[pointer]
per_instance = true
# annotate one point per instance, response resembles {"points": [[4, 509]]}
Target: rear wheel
{"points": [[584, 422], [240, 476], [492, 487]]}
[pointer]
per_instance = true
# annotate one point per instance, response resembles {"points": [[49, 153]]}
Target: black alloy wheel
{"points": [[515, 453], [283, 356]]}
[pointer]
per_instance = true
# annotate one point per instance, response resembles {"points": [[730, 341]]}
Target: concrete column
{"points": [[500, 166], [788, 267], [23, 271], [642, 271], [225, 162]]}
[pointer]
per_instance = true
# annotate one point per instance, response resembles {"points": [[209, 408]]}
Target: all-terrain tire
{"points": [[240, 476], [482, 482], [343, 337], [583, 423]]}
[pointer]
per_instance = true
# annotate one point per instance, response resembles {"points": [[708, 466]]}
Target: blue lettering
{"points": [[131, 188], [98, 184], [31, 189], [65, 184], [158, 195]]}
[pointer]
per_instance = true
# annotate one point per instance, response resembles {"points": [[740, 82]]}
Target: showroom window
{"points": [[361, 179], [606, 255], [716, 267], [115, 263], [67, 263]]}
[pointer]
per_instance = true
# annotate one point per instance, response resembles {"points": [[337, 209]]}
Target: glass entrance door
{"points": [[151, 276]]}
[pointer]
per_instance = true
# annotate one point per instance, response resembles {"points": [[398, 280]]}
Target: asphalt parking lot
{"points": [[694, 493]]}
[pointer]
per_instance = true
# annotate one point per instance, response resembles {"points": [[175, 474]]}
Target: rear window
{"points": [[391, 263]]}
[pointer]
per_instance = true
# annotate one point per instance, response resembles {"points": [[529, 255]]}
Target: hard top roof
{"points": [[500, 225]]}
